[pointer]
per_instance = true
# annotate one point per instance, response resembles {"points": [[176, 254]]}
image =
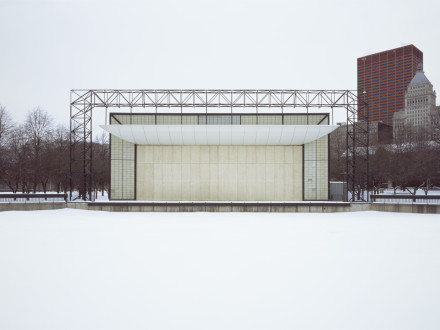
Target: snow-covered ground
{"points": [[74, 269], [431, 192], [399, 192]]}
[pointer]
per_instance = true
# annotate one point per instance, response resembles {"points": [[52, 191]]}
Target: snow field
{"points": [[74, 269]]}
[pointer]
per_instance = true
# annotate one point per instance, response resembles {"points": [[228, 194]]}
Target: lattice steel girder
{"points": [[83, 101], [211, 98]]}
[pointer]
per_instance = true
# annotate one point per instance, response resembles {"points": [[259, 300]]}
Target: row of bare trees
{"points": [[34, 155], [409, 164]]}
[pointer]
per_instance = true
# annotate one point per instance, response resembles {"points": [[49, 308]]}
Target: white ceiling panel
{"points": [[219, 134]]}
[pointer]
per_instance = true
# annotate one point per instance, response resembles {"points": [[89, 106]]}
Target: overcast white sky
{"points": [[49, 47]]}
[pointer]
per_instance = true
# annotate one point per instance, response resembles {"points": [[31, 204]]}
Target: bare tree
{"points": [[380, 164], [6, 128], [59, 156], [35, 155], [435, 127], [338, 150], [6, 125], [101, 173], [38, 126], [17, 166]]}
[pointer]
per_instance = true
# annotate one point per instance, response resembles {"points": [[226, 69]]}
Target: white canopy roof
{"points": [[219, 134]]}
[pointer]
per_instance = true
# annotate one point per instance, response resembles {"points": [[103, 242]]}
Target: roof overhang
{"points": [[219, 134]]}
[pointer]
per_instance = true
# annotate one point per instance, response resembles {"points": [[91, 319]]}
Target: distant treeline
{"points": [[412, 162], [35, 154]]}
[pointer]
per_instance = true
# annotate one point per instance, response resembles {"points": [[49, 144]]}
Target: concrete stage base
{"points": [[316, 207], [31, 206]]}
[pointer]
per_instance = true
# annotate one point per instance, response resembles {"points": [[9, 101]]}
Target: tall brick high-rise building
{"points": [[382, 78]]}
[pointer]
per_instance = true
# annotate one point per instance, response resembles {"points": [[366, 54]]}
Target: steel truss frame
{"points": [[83, 102]]}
